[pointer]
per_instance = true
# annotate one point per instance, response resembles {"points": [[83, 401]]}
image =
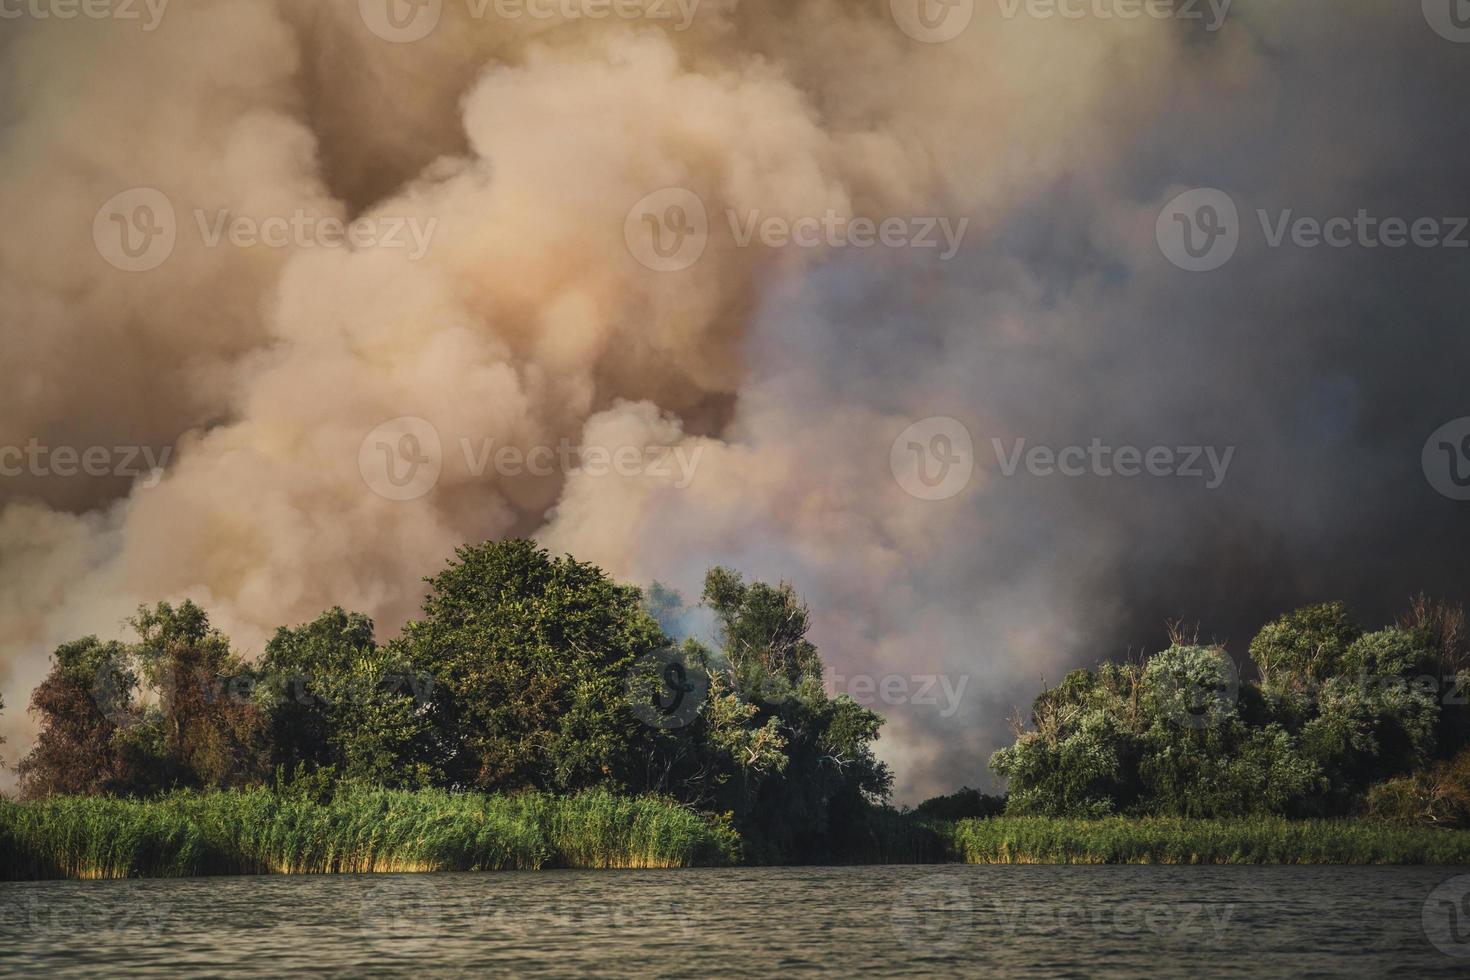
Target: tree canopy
{"points": [[1334, 713], [523, 673]]}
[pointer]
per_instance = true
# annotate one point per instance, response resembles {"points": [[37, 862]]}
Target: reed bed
{"points": [[363, 831], [1042, 840], [261, 832]]}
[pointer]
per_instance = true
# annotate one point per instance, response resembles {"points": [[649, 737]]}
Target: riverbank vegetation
{"points": [[1161, 840], [1337, 721], [540, 714], [525, 674], [262, 831]]}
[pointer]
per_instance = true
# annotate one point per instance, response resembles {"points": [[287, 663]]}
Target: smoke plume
{"points": [[500, 301]]}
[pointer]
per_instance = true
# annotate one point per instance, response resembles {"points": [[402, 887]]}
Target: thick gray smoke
{"points": [[509, 150]]}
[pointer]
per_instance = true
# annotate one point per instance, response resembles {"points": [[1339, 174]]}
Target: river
{"points": [[895, 921]]}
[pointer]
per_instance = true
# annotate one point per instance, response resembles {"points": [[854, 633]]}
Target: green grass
{"points": [[1042, 840], [260, 832]]}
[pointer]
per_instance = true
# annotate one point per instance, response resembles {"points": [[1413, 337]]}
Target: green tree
{"points": [[1163, 737], [831, 776], [965, 804], [717, 760], [1227, 770], [1361, 736], [212, 729], [763, 633], [529, 656], [340, 703], [1191, 687], [1304, 647], [1336, 711], [1079, 762]]}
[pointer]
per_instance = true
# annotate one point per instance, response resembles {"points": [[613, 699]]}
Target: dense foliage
{"points": [[1340, 722], [966, 804], [522, 675], [529, 677]]}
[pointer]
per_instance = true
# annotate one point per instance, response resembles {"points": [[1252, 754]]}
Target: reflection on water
{"points": [[1106, 921]]}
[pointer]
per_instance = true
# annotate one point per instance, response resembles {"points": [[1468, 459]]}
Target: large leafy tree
{"points": [[1376, 720], [1079, 756], [529, 656], [721, 756], [1163, 737]]}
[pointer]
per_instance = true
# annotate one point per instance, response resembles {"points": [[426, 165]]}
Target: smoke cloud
{"points": [[328, 411]]}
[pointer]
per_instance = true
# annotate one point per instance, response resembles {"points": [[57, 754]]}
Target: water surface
{"points": [[947, 920]]}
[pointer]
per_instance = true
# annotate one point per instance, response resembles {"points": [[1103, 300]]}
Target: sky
{"points": [[1005, 330]]}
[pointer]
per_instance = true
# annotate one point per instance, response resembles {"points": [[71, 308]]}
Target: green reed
{"points": [[261, 832], [1042, 840]]}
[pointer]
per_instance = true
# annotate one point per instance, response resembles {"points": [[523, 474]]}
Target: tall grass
{"points": [[1042, 840], [260, 832]]}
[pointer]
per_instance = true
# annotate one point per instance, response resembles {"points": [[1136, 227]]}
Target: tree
{"points": [[1191, 687], [1079, 762], [1162, 737], [212, 728], [763, 632], [1439, 628], [1227, 770], [965, 804], [1336, 711], [341, 704], [716, 760], [99, 734], [1305, 647], [83, 706], [831, 775], [529, 656]]}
